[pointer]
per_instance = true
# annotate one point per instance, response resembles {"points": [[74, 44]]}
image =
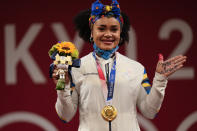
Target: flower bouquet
{"points": [[64, 55]]}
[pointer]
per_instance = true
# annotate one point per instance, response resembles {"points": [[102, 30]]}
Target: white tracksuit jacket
{"points": [[128, 93]]}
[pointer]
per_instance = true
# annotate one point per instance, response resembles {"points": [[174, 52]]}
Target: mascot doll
{"points": [[65, 56]]}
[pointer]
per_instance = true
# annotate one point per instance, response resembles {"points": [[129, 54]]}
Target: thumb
{"points": [[159, 67], [160, 57]]}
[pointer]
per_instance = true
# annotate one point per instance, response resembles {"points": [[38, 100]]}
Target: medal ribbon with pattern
{"points": [[109, 112]]}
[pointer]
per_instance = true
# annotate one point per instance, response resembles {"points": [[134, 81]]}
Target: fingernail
{"points": [[160, 56]]}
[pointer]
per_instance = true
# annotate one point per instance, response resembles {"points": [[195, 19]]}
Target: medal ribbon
{"points": [[108, 89]]}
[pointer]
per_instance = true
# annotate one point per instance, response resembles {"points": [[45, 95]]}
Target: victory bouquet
{"points": [[65, 56]]}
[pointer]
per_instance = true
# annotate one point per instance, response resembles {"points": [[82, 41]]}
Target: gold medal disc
{"points": [[109, 113]]}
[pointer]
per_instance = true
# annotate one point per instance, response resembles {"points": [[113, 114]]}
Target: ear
{"points": [[91, 37]]}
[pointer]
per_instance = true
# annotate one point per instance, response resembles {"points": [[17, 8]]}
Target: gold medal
{"points": [[109, 113]]}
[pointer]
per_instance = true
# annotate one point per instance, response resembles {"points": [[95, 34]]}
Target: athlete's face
{"points": [[106, 33]]}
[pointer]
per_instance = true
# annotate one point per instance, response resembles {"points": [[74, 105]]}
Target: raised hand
{"points": [[168, 67]]}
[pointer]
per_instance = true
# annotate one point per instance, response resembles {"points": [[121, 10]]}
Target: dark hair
{"points": [[81, 22]]}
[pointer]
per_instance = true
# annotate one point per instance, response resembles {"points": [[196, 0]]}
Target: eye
{"points": [[114, 29], [101, 28]]}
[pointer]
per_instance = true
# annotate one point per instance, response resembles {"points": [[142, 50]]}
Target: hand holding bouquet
{"points": [[64, 55]]}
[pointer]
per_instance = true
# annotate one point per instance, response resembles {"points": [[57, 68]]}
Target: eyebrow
{"points": [[113, 26]]}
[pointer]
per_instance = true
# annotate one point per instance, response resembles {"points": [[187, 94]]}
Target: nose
{"points": [[108, 34]]}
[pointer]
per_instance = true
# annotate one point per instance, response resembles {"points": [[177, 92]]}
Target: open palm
{"points": [[168, 67]]}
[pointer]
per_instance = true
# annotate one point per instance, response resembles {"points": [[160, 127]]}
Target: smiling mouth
{"points": [[108, 42]]}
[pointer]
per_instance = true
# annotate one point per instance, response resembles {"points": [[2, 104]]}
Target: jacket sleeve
{"points": [[150, 98], [67, 102]]}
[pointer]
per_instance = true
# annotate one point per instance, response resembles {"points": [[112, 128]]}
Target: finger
{"points": [[160, 57], [174, 58], [55, 70], [55, 81], [180, 59], [179, 67], [174, 61], [173, 70], [180, 62], [54, 75], [171, 65]]}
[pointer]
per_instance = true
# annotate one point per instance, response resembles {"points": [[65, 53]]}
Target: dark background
{"points": [[28, 103]]}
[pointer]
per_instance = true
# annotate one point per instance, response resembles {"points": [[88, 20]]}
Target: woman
{"points": [[108, 85]]}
